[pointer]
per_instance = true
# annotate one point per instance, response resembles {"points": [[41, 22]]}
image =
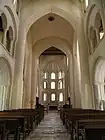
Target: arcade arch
{"points": [[72, 17], [5, 84], [99, 87]]}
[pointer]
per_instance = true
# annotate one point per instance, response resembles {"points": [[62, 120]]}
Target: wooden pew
{"points": [[84, 128], [77, 119], [22, 120], [12, 124]]}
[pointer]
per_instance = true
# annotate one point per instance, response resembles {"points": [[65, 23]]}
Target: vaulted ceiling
{"points": [[51, 25]]}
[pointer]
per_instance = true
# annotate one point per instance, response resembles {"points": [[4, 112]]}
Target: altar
{"points": [[53, 107]]}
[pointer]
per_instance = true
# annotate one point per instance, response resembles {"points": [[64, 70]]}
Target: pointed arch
{"points": [[61, 97], [5, 83]]}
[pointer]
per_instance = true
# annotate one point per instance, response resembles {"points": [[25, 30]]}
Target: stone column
{"points": [[40, 84], [66, 85], [86, 91], [17, 93], [27, 96], [34, 80], [96, 90], [76, 71], [71, 77]]}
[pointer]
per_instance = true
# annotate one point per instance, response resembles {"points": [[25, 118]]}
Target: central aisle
{"points": [[50, 129]]}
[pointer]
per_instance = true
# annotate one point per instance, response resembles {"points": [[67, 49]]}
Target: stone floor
{"points": [[51, 128]]}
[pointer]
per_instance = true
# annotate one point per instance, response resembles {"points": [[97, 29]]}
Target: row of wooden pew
{"points": [[18, 123], [84, 124]]}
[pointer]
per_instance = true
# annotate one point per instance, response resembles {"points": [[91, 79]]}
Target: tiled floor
{"points": [[50, 129]]}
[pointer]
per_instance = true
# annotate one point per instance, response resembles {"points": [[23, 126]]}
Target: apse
{"points": [[52, 65]]}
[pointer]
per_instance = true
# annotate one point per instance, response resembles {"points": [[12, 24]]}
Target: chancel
{"points": [[52, 69]]}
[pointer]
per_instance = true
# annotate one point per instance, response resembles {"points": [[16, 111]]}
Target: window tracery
{"points": [[94, 27]]}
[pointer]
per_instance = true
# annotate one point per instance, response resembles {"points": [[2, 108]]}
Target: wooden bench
{"points": [[19, 122], [77, 120], [12, 125]]}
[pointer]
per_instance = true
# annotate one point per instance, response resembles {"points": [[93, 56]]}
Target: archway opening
{"points": [[99, 86], [52, 65], [52, 55], [5, 83]]}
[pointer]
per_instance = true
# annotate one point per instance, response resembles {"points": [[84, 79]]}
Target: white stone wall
{"points": [[100, 48], [7, 8]]}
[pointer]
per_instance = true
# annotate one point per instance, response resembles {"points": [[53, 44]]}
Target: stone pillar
{"points": [[27, 96], [66, 86], [34, 80], [76, 71], [86, 91], [71, 77], [17, 93], [96, 90]]}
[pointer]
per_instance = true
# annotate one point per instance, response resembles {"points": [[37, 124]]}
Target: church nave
{"points": [[51, 128]]}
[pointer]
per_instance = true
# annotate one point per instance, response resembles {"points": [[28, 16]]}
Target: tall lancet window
{"points": [[61, 97], [60, 75], [45, 85], [52, 85], [45, 75], [86, 3], [60, 84], [53, 97], [52, 75], [45, 97]]}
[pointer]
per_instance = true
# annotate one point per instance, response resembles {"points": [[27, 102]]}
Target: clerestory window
{"points": [[53, 97], [52, 75], [61, 97], [52, 85], [45, 97]]}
